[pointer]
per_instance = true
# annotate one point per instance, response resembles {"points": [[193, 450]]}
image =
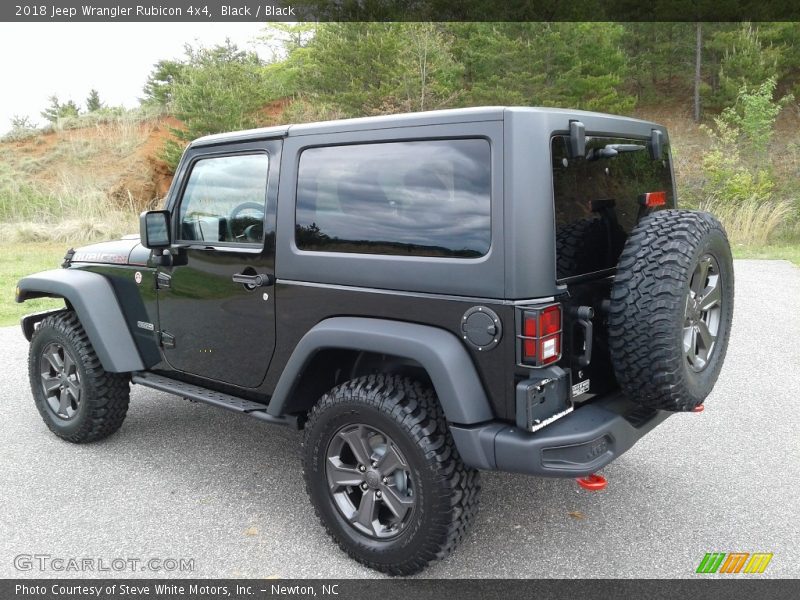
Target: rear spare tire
{"points": [[671, 309]]}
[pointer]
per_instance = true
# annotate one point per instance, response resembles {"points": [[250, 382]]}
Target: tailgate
{"points": [[598, 199]]}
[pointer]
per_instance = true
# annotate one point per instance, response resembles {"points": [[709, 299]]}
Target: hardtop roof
{"points": [[415, 119]]}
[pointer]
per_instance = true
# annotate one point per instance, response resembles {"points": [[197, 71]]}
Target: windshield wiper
{"points": [[611, 150]]}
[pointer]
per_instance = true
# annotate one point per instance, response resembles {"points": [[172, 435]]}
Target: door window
{"points": [[224, 200]]}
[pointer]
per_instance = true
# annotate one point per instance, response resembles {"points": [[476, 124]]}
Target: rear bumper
{"points": [[578, 444]]}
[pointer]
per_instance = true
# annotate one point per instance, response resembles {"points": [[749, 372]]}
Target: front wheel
{"points": [[78, 400], [384, 475]]}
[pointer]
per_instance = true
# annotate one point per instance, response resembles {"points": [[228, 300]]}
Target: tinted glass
{"points": [[597, 200], [421, 198], [224, 200]]}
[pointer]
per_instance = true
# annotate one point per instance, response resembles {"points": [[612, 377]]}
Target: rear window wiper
{"points": [[611, 150]]}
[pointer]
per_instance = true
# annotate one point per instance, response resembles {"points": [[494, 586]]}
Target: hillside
{"points": [[89, 180], [122, 158]]}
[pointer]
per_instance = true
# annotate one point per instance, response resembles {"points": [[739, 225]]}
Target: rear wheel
{"points": [[384, 476], [78, 400], [671, 309]]}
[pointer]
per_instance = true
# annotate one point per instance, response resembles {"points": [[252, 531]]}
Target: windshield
{"points": [[597, 199]]}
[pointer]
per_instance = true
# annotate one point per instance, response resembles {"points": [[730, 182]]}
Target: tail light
{"points": [[539, 341]]}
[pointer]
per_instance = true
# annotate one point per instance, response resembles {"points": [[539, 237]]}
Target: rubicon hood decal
{"points": [[118, 252]]}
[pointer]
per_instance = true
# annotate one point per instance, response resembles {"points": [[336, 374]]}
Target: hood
{"points": [[125, 251]]}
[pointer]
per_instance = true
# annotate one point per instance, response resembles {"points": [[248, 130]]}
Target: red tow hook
{"points": [[699, 408], [593, 482]]}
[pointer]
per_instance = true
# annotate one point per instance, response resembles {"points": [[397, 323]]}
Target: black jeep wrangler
{"points": [[426, 295]]}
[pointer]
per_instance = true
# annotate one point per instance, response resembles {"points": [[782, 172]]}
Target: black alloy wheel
{"points": [[60, 380], [370, 481], [702, 316]]}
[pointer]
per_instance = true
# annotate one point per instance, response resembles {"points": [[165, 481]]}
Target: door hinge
{"points": [[163, 281], [167, 340]]}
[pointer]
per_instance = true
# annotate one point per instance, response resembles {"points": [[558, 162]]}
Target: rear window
{"points": [[417, 198], [597, 199]]}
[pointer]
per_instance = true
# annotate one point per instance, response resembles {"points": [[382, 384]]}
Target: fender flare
{"points": [[440, 353], [95, 303]]}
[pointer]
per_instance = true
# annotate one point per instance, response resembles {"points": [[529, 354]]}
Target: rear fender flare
{"points": [[439, 352]]}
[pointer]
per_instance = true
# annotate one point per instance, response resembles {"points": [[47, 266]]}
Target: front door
{"points": [[216, 303]]}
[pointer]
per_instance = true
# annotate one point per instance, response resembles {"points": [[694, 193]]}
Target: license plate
{"points": [[547, 401], [580, 388]]}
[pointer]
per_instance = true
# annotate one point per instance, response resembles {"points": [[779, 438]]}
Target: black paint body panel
{"points": [[254, 333], [300, 307]]}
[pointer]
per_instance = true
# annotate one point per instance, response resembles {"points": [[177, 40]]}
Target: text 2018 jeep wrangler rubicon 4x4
{"points": [[426, 295]]}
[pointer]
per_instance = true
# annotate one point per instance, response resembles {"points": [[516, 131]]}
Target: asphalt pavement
{"points": [[188, 481]]}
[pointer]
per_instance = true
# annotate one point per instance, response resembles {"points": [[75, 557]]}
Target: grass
{"points": [[71, 207], [790, 252], [752, 223], [18, 260]]}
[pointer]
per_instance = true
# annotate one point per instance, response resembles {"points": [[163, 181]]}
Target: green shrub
{"points": [[56, 110], [737, 168], [729, 180], [93, 103], [753, 115], [739, 184], [22, 128]]}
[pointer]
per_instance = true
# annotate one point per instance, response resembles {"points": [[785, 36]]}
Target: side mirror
{"points": [[154, 229]]}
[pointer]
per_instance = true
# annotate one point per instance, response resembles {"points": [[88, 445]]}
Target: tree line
{"points": [[355, 69]]}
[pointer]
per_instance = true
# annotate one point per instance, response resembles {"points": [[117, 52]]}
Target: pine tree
{"points": [[93, 103], [52, 112], [57, 111]]}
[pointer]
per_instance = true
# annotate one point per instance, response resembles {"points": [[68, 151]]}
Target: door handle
{"points": [[253, 281]]}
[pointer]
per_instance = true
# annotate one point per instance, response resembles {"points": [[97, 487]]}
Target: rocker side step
{"points": [[212, 397]]}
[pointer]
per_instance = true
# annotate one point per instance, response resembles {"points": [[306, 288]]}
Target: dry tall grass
{"points": [[751, 223], [64, 193], [70, 231]]}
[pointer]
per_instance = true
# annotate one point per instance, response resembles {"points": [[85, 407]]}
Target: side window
{"points": [[418, 198], [224, 200]]}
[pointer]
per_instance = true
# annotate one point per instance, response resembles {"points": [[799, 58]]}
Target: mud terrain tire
{"points": [[440, 493], [78, 400], [671, 309]]}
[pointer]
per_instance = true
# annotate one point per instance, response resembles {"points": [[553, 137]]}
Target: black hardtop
{"points": [[435, 117]]}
